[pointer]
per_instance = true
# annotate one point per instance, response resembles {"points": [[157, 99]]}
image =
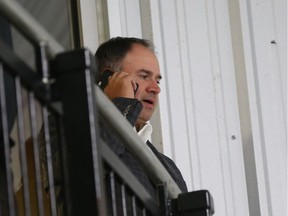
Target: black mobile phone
{"points": [[103, 81]]}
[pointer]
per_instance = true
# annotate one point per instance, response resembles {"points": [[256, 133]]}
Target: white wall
{"points": [[264, 25], [201, 130], [222, 114]]}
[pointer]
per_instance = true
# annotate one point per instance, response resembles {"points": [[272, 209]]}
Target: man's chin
{"points": [[142, 120], [145, 116]]}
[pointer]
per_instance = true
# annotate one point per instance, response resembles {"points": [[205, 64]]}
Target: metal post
{"points": [[82, 174]]}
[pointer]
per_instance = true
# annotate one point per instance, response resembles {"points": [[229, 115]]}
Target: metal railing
{"points": [[95, 181]]}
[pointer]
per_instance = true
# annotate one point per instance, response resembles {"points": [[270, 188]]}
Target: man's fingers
{"points": [[135, 87], [119, 75]]}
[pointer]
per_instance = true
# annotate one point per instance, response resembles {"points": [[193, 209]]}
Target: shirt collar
{"points": [[146, 132]]}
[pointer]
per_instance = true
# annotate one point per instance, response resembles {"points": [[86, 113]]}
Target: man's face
{"points": [[143, 65]]}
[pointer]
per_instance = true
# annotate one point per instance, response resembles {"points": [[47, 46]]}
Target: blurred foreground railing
{"points": [[93, 179]]}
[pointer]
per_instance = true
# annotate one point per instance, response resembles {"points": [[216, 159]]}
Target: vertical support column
{"points": [[244, 108], [81, 158]]}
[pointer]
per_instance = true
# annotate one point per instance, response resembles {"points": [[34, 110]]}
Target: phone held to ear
{"points": [[103, 81]]}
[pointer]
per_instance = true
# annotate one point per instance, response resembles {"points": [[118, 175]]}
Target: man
{"points": [[134, 89]]}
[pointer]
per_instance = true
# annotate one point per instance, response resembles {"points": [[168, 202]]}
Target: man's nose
{"points": [[154, 87]]}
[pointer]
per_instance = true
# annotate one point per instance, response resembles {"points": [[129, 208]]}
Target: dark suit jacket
{"points": [[131, 109]]}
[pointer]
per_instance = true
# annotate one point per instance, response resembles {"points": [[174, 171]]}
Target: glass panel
{"points": [[54, 17]]}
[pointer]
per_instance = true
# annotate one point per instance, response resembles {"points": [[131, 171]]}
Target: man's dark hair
{"points": [[111, 53]]}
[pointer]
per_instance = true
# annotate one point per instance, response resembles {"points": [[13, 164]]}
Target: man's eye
{"points": [[143, 76]]}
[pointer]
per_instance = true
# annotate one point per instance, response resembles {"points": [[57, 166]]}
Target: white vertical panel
{"points": [[174, 84], [89, 27], [124, 18], [201, 99], [264, 25]]}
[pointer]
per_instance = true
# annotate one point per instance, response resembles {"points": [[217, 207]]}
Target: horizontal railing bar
{"points": [[28, 26], [134, 144]]}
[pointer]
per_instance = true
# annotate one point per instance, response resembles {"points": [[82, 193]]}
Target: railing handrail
{"points": [[135, 145], [28, 26]]}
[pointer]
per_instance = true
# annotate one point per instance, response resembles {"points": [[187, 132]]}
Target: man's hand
{"points": [[121, 84]]}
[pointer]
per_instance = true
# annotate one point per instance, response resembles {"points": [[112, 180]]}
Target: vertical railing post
{"points": [[7, 115], [74, 76], [7, 202], [163, 200]]}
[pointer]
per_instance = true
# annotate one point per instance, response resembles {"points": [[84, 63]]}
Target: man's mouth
{"points": [[149, 102]]}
